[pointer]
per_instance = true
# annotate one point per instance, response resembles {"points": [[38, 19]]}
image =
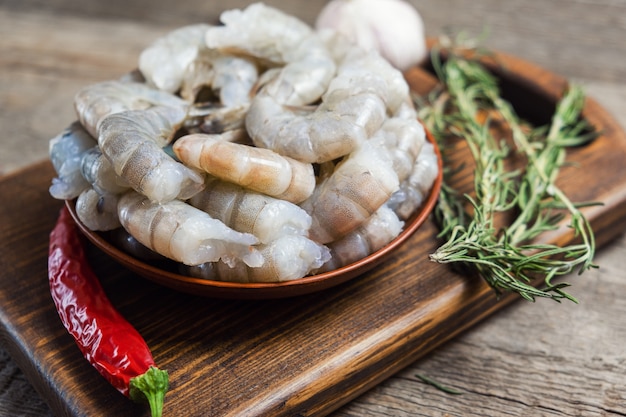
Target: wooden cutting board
{"points": [[296, 356]]}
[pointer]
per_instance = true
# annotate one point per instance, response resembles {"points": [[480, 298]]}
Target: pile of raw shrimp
{"points": [[258, 150]]}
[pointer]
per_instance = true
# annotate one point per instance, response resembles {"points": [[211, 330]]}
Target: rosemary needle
{"points": [[506, 257], [437, 385]]}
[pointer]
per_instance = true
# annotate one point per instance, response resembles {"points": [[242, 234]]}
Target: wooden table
{"points": [[528, 359]]}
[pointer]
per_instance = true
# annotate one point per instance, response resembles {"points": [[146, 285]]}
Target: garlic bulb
{"points": [[392, 27]]}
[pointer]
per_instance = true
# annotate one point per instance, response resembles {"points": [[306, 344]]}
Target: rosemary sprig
{"points": [[506, 256]]}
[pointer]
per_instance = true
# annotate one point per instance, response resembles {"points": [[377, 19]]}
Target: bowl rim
{"points": [[261, 290]]}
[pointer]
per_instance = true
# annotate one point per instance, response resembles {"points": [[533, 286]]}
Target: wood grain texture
{"points": [[529, 359], [306, 355]]}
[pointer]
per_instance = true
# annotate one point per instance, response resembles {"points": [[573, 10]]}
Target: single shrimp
{"points": [[99, 172], [166, 61], [66, 150], [97, 211], [377, 231], [184, 233], [334, 129], [258, 169], [95, 102], [287, 258], [265, 217], [279, 40], [415, 188], [133, 142], [359, 185]]}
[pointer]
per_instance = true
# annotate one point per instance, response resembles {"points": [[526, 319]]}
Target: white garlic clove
{"points": [[392, 27]]}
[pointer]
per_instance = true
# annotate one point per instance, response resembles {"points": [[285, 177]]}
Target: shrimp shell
{"points": [[234, 78], [360, 184], [166, 61], [403, 139], [133, 140], [287, 258], [366, 71], [95, 102], [334, 129], [66, 150], [381, 228], [97, 211], [260, 31], [184, 233], [415, 188], [278, 39], [265, 217], [99, 172], [258, 169]]}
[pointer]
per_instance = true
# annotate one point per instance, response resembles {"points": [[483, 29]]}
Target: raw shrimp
{"points": [[97, 211], [246, 211], [217, 119], [231, 79], [281, 40], [415, 188], [166, 61], [99, 172], [380, 228], [133, 141], [363, 71], [334, 129], [184, 233], [234, 78], [287, 258], [258, 169], [66, 150], [127, 242], [97, 101], [360, 184], [403, 139]]}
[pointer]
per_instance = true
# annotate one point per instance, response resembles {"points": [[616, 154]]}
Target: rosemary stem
{"points": [[507, 259]]}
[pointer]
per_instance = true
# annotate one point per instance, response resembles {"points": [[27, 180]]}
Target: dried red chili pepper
{"points": [[107, 340]]}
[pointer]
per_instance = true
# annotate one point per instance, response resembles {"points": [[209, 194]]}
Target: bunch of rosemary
{"points": [[528, 198]]}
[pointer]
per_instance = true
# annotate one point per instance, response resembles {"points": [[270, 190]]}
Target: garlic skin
{"points": [[392, 27]]}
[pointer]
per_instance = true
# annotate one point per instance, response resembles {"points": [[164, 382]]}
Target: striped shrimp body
{"points": [[279, 40], [258, 169], [414, 189], [99, 172], [403, 139], [66, 151], [265, 217], [97, 101], [334, 129], [287, 258], [359, 185], [133, 141], [184, 233], [380, 228]]}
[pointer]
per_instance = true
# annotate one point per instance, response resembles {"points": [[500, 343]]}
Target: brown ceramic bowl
{"points": [[219, 289]]}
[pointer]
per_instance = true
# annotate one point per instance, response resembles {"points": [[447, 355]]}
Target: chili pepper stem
{"points": [[150, 386]]}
